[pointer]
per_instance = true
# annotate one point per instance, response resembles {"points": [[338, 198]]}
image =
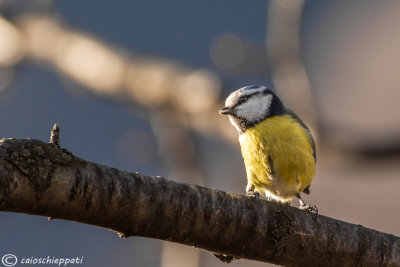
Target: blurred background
{"points": [[137, 85]]}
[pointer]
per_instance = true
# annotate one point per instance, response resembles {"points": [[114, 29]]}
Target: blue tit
{"points": [[277, 147]]}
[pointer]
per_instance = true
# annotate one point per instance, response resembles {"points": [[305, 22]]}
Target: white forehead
{"points": [[247, 90]]}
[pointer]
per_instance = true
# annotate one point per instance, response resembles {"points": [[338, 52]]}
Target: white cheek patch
{"points": [[235, 124], [256, 108]]}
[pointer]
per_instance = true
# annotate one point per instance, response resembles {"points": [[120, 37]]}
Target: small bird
{"points": [[277, 147]]}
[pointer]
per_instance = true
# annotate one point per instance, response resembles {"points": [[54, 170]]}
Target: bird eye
{"points": [[243, 99]]}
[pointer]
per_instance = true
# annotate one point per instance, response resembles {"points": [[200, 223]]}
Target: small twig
{"points": [[55, 140], [55, 135]]}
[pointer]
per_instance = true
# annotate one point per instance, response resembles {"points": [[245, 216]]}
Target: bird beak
{"points": [[227, 111]]}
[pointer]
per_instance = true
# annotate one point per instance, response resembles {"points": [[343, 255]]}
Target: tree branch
{"points": [[42, 179]]}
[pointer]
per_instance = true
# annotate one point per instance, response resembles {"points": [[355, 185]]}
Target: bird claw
{"points": [[122, 235], [309, 208], [254, 194]]}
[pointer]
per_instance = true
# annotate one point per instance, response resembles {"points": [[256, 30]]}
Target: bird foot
{"points": [[122, 235], [309, 208], [254, 194]]}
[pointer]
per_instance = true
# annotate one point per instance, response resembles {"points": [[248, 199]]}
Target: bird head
{"points": [[250, 105]]}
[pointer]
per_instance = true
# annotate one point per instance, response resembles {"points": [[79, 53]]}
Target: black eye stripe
{"points": [[246, 97]]}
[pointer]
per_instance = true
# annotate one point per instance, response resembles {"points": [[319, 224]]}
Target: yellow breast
{"points": [[278, 155]]}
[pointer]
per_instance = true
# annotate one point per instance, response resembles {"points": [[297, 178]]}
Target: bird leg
{"points": [[250, 192], [306, 207]]}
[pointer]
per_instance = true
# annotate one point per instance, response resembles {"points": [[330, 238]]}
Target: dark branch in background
{"points": [[42, 179]]}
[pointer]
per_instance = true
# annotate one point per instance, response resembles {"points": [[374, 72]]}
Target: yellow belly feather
{"points": [[278, 156]]}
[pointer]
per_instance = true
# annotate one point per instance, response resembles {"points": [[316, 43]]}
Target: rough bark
{"points": [[42, 179]]}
